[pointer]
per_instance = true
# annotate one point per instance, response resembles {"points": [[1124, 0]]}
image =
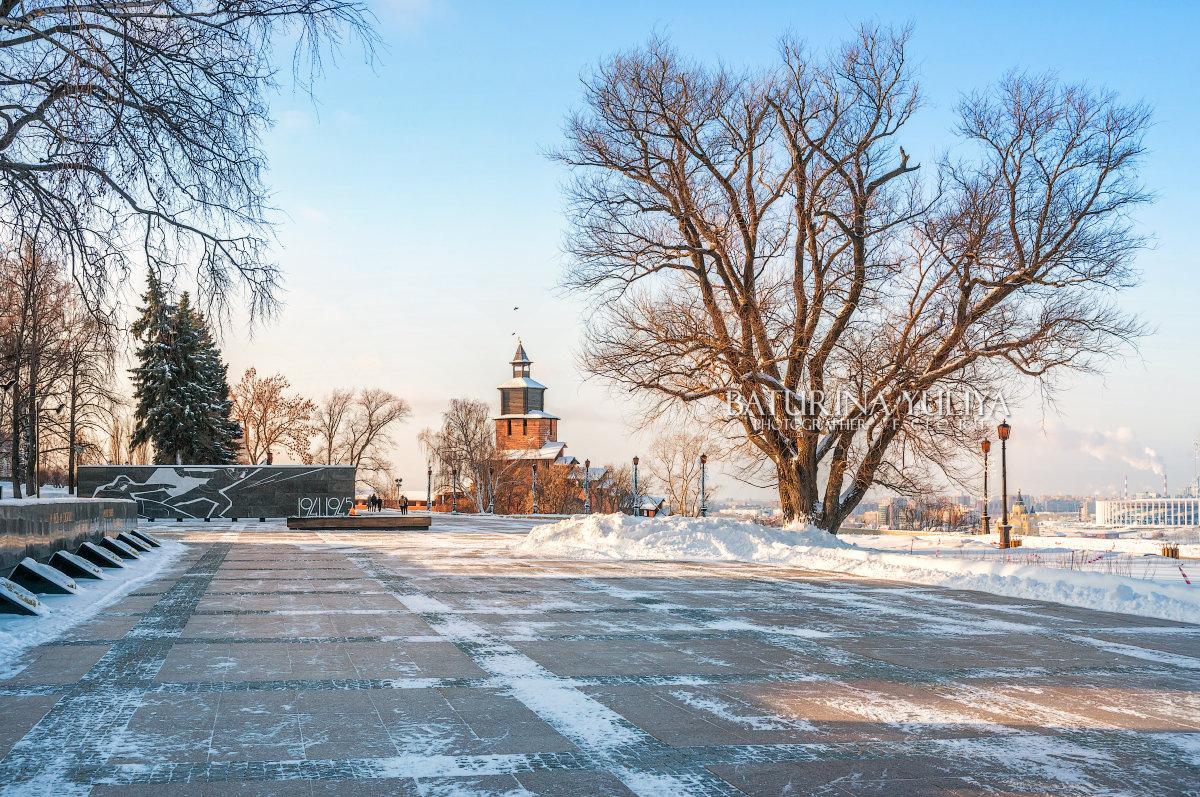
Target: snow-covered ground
{"points": [[1063, 570], [19, 633]]}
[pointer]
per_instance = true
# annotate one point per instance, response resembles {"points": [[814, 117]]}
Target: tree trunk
{"points": [[15, 429], [31, 436], [71, 430], [798, 497]]}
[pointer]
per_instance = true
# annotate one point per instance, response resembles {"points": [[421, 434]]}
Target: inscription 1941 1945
{"points": [[224, 491]]}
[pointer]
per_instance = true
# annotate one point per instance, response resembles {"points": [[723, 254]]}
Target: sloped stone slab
{"points": [[133, 542], [37, 577], [74, 566], [15, 599], [113, 545], [99, 556], [150, 539]]}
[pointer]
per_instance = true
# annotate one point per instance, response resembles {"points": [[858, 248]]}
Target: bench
{"points": [[360, 523]]}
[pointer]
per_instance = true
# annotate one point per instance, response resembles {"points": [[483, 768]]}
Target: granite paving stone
{"points": [[269, 662]]}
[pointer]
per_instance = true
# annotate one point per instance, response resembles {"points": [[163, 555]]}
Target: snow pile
{"points": [[721, 539], [62, 612], [697, 539]]}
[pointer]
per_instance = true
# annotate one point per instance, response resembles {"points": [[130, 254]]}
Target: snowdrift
{"points": [[725, 540]]}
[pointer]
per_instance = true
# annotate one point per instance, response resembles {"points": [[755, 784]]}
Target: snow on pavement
{"points": [[20, 633], [729, 540]]}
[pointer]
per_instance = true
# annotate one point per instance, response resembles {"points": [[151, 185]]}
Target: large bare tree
{"points": [[761, 252], [354, 428], [131, 128], [270, 416]]}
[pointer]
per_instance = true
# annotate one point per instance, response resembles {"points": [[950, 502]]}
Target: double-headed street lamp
{"points": [[398, 483], [1003, 430], [987, 446], [703, 494], [454, 491], [429, 490]]}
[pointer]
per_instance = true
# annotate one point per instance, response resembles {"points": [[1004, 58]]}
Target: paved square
{"points": [[269, 662]]}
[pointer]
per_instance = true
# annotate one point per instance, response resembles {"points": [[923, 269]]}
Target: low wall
{"points": [[224, 491], [39, 527]]}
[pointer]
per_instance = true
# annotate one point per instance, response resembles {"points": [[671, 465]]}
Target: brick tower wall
{"points": [[526, 433]]}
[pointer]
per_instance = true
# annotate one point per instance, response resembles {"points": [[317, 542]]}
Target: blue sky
{"points": [[418, 207]]}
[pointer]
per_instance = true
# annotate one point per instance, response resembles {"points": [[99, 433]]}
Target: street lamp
{"points": [[703, 496], [636, 502], [429, 491], [491, 492], [1003, 430], [398, 483], [37, 444], [587, 496], [987, 446], [454, 491], [534, 469]]}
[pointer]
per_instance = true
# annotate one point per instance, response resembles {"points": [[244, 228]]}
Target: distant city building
{"points": [[1148, 512], [1023, 521]]}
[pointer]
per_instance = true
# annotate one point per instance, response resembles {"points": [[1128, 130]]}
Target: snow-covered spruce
{"points": [[721, 539]]}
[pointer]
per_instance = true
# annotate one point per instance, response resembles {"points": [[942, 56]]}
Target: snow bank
{"points": [[720, 539], [62, 612]]}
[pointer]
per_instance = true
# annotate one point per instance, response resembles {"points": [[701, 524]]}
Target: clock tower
{"points": [[523, 423]]}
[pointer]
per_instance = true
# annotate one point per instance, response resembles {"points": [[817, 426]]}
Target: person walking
{"points": [[404, 505]]}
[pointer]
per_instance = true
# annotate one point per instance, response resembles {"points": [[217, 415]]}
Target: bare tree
{"points": [[330, 417], [758, 246], [134, 126], [466, 444], [675, 461], [270, 417], [353, 428]]}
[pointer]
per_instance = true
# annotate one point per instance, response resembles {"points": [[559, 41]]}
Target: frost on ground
{"points": [[62, 612], [723, 540]]}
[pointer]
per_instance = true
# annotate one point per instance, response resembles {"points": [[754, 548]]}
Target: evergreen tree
{"points": [[181, 385]]}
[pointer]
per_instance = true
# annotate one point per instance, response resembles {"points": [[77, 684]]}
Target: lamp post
{"points": [[703, 495], [636, 502], [1003, 430], [491, 492], [37, 444], [398, 483], [454, 491], [587, 497], [987, 446], [429, 490], [534, 469]]}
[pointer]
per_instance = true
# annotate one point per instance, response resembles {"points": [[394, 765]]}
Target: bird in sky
{"points": [[516, 308]]}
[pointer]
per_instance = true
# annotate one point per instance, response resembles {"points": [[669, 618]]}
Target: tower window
{"points": [[524, 426], [510, 428]]}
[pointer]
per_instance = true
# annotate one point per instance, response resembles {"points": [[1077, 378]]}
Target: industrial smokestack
{"points": [[1165, 493], [1126, 493]]}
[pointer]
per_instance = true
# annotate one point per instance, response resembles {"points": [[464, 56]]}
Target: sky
{"points": [[417, 209]]}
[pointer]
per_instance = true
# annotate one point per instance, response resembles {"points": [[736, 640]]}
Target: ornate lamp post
{"points": [[534, 469], [703, 495], [398, 483], [429, 490], [1003, 430], [454, 491], [587, 496], [637, 505], [987, 446], [491, 492]]}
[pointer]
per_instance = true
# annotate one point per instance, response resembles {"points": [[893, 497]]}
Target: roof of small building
{"points": [[531, 415], [550, 450], [520, 357], [522, 381]]}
